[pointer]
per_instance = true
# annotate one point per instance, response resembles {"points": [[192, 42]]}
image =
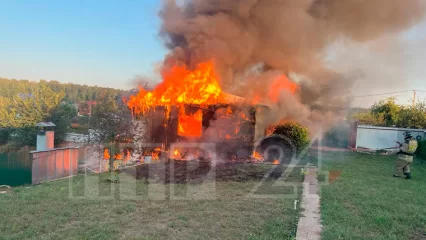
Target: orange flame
{"points": [[128, 156], [106, 154], [177, 155], [155, 156], [257, 156], [118, 156], [275, 162], [229, 111], [256, 100], [180, 86], [190, 125], [278, 85], [244, 116]]}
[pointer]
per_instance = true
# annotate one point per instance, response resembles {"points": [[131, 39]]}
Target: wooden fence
{"points": [[15, 168], [25, 167], [54, 164]]}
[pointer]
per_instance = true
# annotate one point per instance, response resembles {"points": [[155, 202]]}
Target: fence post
{"points": [[69, 162], [55, 173]]}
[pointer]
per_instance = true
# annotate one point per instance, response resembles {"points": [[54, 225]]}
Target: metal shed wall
{"points": [[372, 137]]}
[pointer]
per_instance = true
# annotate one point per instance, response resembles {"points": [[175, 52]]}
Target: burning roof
{"points": [[180, 86]]}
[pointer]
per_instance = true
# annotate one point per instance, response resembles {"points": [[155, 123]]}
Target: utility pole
{"points": [[414, 98]]}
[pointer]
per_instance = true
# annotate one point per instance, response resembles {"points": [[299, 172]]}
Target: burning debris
{"points": [[155, 156]]}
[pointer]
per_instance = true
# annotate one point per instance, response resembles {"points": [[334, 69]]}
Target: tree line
{"points": [[25, 103], [389, 113], [74, 93]]}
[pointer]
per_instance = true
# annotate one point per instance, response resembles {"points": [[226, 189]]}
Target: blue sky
{"points": [[105, 43], [109, 42]]}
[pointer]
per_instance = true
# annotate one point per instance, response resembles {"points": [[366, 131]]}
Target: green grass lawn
{"points": [[365, 202], [92, 208]]}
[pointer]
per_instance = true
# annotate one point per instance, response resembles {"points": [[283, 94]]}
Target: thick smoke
{"points": [[286, 37]]}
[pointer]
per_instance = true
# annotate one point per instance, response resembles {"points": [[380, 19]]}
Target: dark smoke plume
{"points": [[287, 37]]}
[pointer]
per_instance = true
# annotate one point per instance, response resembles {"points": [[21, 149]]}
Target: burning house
{"points": [[226, 125], [271, 53], [190, 107]]}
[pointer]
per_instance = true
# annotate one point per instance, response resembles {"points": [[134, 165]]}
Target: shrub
{"points": [[23, 136], [421, 150], [62, 116], [296, 133]]}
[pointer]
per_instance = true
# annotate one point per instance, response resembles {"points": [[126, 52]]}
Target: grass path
{"points": [[365, 202]]}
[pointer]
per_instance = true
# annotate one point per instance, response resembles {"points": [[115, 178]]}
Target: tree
{"points": [[22, 111], [23, 103], [412, 117], [112, 125], [388, 113], [111, 121], [368, 118], [27, 108], [62, 117], [388, 110], [74, 93]]}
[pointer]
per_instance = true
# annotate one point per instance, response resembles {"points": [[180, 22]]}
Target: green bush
{"points": [[62, 116], [23, 136], [296, 133], [421, 150]]}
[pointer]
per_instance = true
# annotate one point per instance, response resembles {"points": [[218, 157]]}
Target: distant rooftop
{"points": [[45, 124]]}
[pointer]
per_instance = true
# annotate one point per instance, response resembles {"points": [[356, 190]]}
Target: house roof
{"points": [[234, 99]]}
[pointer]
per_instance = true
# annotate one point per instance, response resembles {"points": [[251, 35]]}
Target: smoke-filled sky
{"points": [[108, 43]]}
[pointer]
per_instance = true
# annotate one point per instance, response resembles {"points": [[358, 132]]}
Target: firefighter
{"points": [[405, 155]]}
